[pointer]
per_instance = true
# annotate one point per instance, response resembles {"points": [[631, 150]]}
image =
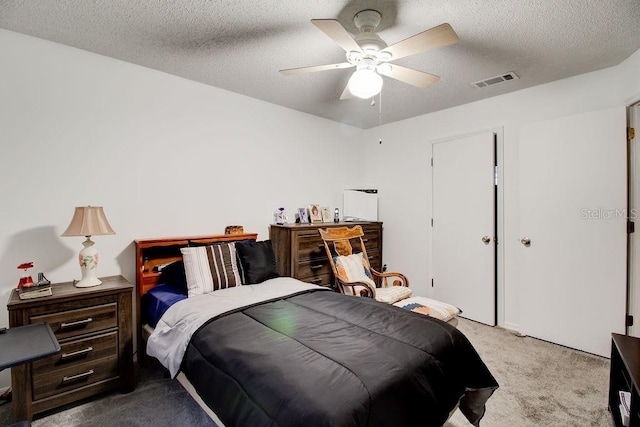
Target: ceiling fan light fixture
{"points": [[365, 83]]}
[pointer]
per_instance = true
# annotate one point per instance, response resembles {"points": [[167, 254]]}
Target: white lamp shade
{"points": [[365, 83]]}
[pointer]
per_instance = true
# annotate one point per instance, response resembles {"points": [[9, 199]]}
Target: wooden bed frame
{"points": [[152, 253]]}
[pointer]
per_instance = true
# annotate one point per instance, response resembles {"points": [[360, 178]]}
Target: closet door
{"points": [[573, 229], [464, 217]]}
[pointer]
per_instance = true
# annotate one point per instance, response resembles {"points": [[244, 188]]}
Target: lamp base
{"points": [[87, 283], [88, 265]]}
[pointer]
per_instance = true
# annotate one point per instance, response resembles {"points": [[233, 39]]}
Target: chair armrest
{"points": [[368, 291], [401, 279]]}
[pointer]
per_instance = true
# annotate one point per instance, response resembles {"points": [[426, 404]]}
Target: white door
{"points": [[464, 225], [572, 216], [634, 241]]}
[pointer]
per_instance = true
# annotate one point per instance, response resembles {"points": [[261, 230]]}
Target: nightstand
{"points": [[94, 329]]}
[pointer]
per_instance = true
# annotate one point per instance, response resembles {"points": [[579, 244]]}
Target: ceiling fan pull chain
{"points": [[380, 114]]}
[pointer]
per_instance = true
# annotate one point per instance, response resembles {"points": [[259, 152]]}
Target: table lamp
{"points": [[88, 221]]}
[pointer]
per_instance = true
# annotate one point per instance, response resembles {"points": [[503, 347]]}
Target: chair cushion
{"points": [[352, 268], [393, 294], [438, 309]]}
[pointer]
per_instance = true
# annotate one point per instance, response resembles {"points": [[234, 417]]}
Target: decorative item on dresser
{"points": [[94, 329], [300, 250]]}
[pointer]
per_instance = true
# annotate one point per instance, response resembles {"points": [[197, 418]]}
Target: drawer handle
{"points": [[370, 257], [316, 281], [321, 245], [365, 240], [77, 377], [76, 323], [77, 353], [316, 267]]}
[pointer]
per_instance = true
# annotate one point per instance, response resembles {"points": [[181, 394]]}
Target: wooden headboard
{"points": [[152, 253]]}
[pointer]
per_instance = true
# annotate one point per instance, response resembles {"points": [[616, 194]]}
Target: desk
{"points": [[24, 344]]}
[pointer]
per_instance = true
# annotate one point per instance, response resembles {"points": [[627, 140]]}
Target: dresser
{"points": [[300, 252], [94, 329]]}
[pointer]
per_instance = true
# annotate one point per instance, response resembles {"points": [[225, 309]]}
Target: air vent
{"points": [[492, 81]]}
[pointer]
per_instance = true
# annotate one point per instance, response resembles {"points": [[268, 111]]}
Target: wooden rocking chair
{"points": [[352, 271]]}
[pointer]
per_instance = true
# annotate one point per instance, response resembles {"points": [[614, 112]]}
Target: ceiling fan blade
{"points": [[442, 35], [315, 68], [346, 93], [407, 75], [337, 33]]}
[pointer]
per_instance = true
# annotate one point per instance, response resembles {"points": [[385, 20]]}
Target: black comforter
{"points": [[323, 359]]}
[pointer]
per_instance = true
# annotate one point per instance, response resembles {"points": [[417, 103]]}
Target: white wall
{"points": [[165, 156], [400, 169]]}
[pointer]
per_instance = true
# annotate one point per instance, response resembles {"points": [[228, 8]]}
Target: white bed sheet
{"points": [[172, 334]]}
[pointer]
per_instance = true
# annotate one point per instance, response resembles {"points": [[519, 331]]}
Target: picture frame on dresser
{"points": [[303, 216], [314, 213], [326, 214]]}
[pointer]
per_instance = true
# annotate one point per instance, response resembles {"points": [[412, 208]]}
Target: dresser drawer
{"points": [[312, 268], [76, 352], [74, 376], [321, 280], [371, 242], [310, 246], [71, 323]]}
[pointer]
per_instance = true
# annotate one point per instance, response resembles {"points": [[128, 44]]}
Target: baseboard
{"points": [[513, 327]]}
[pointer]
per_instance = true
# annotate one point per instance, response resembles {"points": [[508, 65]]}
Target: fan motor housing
{"points": [[370, 42], [367, 21]]}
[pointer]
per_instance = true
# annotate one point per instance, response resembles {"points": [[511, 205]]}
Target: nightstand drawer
{"points": [[77, 352], [70, 323], [74, 376]]}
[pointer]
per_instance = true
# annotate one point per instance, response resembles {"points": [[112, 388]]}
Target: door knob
{"points": [[486, 240], [526, 241]]}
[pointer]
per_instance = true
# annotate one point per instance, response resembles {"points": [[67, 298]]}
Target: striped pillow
{"points": [[210, 268]]}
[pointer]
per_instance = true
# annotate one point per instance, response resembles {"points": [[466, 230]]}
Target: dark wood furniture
{"points": [[154, 252], [625, 376], [300, 250], [94, 329]]}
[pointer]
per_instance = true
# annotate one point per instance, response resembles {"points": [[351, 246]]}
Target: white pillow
{"points": [[210, 268], [352, 268], [393, 294]]}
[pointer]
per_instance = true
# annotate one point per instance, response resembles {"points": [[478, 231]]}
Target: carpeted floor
{"points": [[541, 384]]}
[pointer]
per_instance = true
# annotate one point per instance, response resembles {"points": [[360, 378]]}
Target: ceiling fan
{"points": [[371, 55]]}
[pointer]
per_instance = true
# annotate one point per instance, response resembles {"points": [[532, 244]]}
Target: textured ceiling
{"points": [[239, 45]]}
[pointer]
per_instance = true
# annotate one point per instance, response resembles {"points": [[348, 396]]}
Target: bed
{"points": [[276, 351]]}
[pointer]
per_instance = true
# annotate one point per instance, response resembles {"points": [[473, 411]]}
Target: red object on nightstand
{"points": [[25, 279]]}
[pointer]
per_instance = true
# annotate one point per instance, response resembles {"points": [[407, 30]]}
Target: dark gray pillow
{"points": [[174, 276], [258, 261]]}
